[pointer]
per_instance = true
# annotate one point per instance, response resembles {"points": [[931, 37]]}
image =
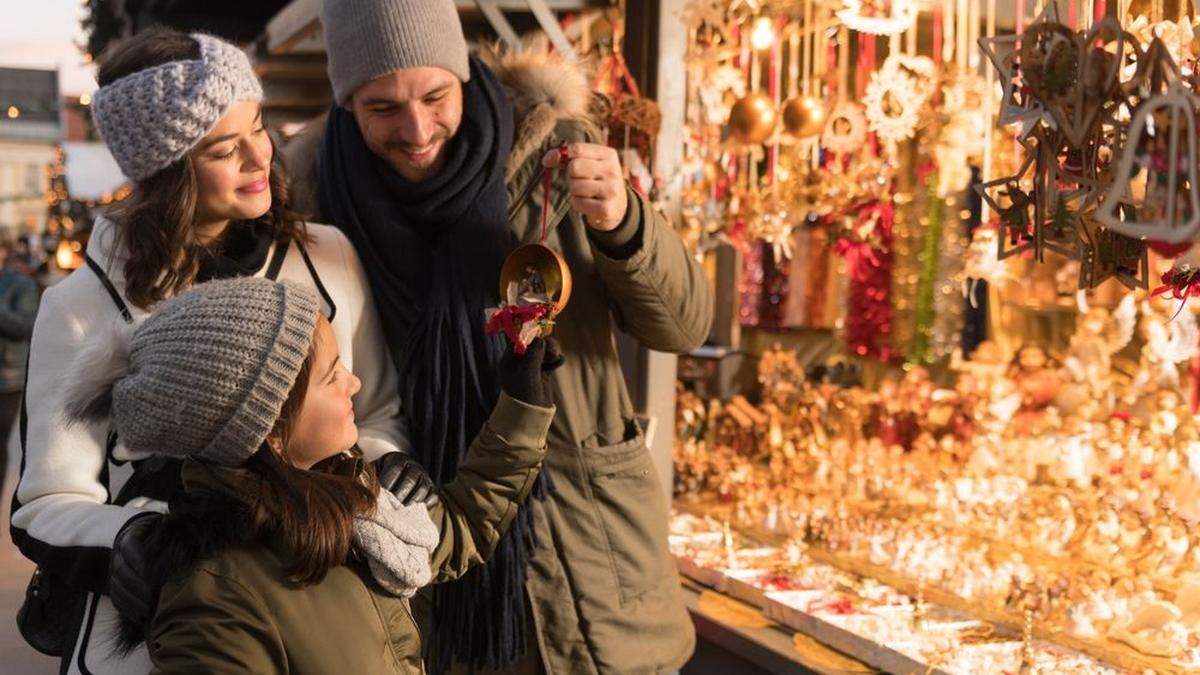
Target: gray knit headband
{"points": [[151, 118]]}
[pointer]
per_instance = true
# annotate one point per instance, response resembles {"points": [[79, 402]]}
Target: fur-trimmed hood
{"points": [[544, 89]]}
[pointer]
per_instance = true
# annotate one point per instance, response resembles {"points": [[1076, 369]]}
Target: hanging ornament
{"points": [[1049, 58], [891, 105], [878, 17], [1105, 255], [846, 129], [1162, 145], [1096, 91], [803, 117], [1044, 58], [922, 70], [1182, 281], [752, 119], [1011, 198], [535, 283], [896, 94]]}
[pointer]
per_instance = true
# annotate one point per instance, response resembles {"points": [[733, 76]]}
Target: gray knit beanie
{"points": [[151, 118], [206, 375], [365, 39]]}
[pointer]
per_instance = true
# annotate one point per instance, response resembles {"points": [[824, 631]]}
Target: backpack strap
{"points": [[312, 270], [108, 286], [277, 258]]}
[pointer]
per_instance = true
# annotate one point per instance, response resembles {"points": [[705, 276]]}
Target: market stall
{"points": [[950, 424]]}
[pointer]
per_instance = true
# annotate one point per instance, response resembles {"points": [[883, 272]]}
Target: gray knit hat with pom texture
{"points": [[152, 118], [209, 371]]}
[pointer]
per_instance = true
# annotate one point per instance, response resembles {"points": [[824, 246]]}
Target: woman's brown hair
{"points": [[155, 223], [311, 511]]}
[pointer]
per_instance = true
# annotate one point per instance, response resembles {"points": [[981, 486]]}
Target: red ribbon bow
{"points": [[1181, 284], [512, 318], [860, 257]]}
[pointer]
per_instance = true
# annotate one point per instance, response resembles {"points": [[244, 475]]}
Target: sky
{"points": [[44, 34]]}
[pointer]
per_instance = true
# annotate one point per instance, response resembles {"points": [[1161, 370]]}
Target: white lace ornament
{"points": [[846, 129], [878, 17]]}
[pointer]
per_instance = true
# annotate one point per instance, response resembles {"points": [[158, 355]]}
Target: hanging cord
{"points": [[564, 156]]}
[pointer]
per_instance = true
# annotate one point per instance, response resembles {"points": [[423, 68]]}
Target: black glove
{"points": [[129, 570], [527, 378], [402, 476]]}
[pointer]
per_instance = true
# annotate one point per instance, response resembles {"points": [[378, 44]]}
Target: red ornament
{"points": [[1168, 250]]}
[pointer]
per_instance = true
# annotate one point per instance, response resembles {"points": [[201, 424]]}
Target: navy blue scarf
{"points": [[432, 252]]}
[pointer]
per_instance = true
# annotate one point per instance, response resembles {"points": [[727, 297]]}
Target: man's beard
{"points": [[398, 154]]}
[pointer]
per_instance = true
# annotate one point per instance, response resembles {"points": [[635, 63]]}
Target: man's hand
{"points": [[595, 182]]}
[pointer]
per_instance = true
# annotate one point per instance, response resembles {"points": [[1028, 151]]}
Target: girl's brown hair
{"points": [[155, 223], [311, 511]]}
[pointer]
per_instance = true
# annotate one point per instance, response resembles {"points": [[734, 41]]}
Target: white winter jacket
{"points": [[65, 517]]}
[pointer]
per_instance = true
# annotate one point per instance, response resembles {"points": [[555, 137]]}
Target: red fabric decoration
{"points": [[868, 325]]}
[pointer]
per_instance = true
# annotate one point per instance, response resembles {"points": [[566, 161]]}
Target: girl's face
{"points": [[324, 425], [233, 168]]}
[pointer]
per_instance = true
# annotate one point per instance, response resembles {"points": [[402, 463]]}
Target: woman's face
{"points": [[324, 425], [233, 168]]}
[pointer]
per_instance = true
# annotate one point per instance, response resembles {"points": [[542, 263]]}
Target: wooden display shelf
{"points": [[1114, 653], [764, 644]]}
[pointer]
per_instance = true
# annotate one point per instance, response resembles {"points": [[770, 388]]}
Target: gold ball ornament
{"points": [[548, 263], [803, 117], [752, 119]]}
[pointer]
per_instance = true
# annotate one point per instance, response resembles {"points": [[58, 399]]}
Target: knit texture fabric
{"points": [[365, 39], [398, 541], [152, 118], [210, 370]]}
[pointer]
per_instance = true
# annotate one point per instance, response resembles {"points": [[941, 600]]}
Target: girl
{"points": [[280, 554], [182, 116]]}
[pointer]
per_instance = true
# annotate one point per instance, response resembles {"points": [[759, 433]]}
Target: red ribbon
{"points": [[860, 257], [1181, 285], [510, 319], [564, 156]]}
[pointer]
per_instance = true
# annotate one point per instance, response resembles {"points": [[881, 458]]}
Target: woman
{"points": [[280, 553], [182, 116]]}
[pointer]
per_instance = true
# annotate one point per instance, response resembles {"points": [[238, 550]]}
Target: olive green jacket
{"points": [[237, 612], [602, 585]]}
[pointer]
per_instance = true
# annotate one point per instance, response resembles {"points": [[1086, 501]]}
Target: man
{"points": [[431, 161]]}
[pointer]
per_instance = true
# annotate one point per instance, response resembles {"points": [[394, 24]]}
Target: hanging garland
{"points": [[922, 349]]}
